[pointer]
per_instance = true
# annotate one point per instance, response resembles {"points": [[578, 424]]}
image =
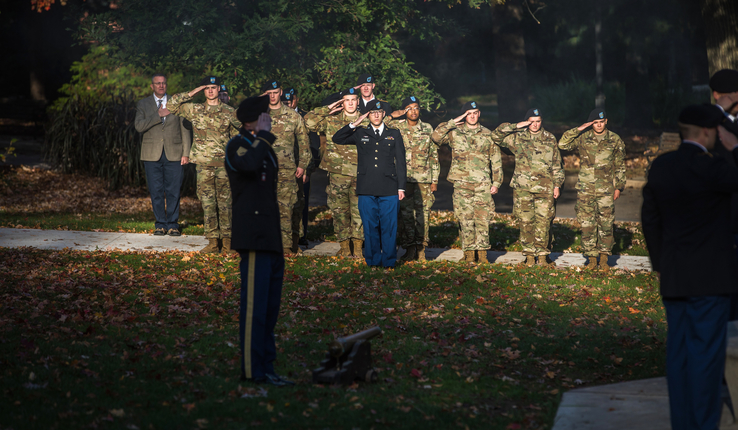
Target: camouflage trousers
{"points": [[344, 205], [596, 214], [286, 200], [414, 213], [214, 192], [474, 209], [534, 213], [297, 211]]}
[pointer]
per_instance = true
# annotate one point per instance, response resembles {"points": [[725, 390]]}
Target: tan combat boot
{"points": [[409, 255], [227, 247], [420, 251], [482, 256], [212, 247], [296, 246], [468, 256], [591, 263], [345, 250], [603, 262], [358, 244], [530, 260], [543, 260]]}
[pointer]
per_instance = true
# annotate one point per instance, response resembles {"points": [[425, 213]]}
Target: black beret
{"points": [[724, 81], [532, 112], [704, 115], [366, 78], [292, 91], [250, 109], [270, 85], [287, 97], [410, 100], [210, 80], [376, 105], [469, 105], [223, 89], [331, 99], [597, 114], [350, 92]]}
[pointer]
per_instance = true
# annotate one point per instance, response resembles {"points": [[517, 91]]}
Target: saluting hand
{"points": [[460, 119], [360, 119], [400, 112], [335, 106], [585, 125], [263, 123], [728, 101], [523, 124], [196, 90], [728, 139]]}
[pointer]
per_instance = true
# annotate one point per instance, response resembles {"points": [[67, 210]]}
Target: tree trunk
{"points": [[599, 72], [511, 70], [721, 31], [638, 105]]}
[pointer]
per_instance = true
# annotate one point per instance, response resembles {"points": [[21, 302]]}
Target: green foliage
{"points": [[668, 101], [572, 101]]}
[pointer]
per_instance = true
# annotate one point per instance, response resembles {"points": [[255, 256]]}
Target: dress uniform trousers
{"points": [[379, 216]]}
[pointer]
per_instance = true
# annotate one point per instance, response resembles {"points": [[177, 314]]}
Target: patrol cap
{"points": [[350, 92], [210, 80], [410, 100], [597, 114], [271, 84], [469, 105], [366, 78], [704, 115], [250, 109], [331, 99], [376, 105], [533, 112], [724, 81]]}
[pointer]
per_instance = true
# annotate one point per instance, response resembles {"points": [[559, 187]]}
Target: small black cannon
{"points": [[349, 358]]}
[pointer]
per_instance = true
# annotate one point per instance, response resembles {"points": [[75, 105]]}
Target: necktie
{"points": [[376, 131], [161, 101]]}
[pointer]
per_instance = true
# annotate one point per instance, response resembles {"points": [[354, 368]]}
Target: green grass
{"points": [[143, 340]]}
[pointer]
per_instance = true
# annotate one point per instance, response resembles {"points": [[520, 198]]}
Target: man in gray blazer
{"points": [[165, 149]]}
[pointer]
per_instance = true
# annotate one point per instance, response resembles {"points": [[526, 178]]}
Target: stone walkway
{"points": [[103, 241]]}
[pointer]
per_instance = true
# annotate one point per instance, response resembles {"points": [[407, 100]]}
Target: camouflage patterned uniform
{"points": [[213, 127], [421, 157], [289, 128], [537, 172], [601, 172], [476, 166], [340, 161]]}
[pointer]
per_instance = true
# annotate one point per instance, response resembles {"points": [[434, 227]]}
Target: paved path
{"points": [[91, 241]]}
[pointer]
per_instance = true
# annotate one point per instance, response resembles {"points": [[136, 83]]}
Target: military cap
{"points": [[597, 114], [410, 100], [250, 109], [350, 92], [331, 99], [376, 105], [704, 115], [469, 105], [287, 97], [532, 112], [271, 84], [210, 80], [292, 91], [223, 89], [724, 81], [366, 78]]}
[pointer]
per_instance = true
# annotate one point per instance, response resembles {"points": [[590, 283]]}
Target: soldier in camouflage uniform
{"points": [[476, 172], [289, 128], [421, 158], [601, 179], [213, 125], [536, 182]]}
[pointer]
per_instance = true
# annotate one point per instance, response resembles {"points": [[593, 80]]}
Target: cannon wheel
{"points": [[371, 376]]}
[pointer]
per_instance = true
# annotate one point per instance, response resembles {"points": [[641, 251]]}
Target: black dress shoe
{"points": [[274, 379], [174, 232], [160, 232]]}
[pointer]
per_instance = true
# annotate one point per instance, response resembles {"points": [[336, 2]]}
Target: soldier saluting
{"points": [[536, 181], [476, 172], [601, 179]]}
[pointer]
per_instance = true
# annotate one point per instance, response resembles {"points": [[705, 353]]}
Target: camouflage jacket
{"points": [[421, 156], [289, 128], [212, 128], [537, 158], [475, 160], [334, 158], [601, 164]]}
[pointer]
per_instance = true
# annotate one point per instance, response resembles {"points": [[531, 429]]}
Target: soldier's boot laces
{"points": [[295, 245], [482, 256], [592, 263], [212, 246], [530, 260], [420, 250], [603, 262], [409, 254], [345, 250], [227, 247], [469, 256], [358, 244]]}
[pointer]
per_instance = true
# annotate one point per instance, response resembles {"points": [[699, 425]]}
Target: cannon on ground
{"points": [[349, 358]]}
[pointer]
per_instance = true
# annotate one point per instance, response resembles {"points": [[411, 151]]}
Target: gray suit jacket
{"points": [[172, 136]]}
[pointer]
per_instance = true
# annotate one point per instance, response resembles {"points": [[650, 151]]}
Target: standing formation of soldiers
{"points": [[476, 171]]}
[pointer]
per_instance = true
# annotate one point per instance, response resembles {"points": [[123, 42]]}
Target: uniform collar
{"points": [[216, 108], [466, 130], [381, 128]]}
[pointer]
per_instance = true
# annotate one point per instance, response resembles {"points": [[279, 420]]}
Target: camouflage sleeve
{"points": [[495, 159], [501, 132], [186, 138], [315, 119], [303, 143], [619, 164], [440, 135], [435, 164], [569, 141], [178, 105], [556, 169]]}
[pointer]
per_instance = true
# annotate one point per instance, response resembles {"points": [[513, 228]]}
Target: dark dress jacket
{"points": [[381, 167], [686, 222], [720, 150], [252, 167]]}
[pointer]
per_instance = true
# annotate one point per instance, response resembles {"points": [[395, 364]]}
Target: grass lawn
{"points": [[150, 341]]}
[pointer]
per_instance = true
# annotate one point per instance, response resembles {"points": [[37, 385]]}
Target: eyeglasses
{"points": [[159, 84]]}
